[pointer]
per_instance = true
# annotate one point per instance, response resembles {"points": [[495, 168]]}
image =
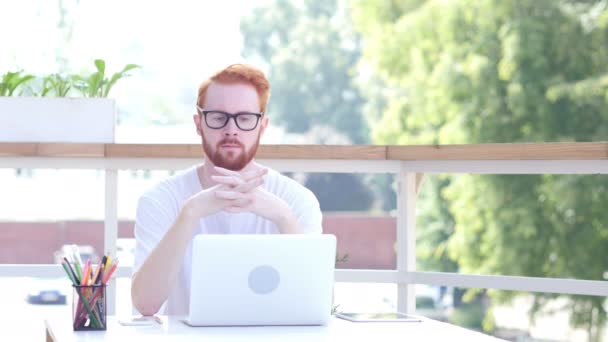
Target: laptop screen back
{"points": [[262, 279]]}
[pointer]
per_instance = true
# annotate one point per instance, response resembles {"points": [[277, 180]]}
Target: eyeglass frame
{"points": [[204, 113]]}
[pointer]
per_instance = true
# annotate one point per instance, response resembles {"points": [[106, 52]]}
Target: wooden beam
{"points": [[69, 150], [154, 151], [18, 149], [531, 151], [346, 152]]}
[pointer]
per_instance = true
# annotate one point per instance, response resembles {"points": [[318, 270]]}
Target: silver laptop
{"points": [[269, 279]]}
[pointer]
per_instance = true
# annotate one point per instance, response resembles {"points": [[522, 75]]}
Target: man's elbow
{"points": [[143, 305], [147, 311]]}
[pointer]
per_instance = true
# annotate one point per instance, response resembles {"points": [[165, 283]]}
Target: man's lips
{"points": [[230, 145]]}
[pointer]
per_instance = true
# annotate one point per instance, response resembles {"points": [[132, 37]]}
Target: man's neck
{"points": [[206, 170]]}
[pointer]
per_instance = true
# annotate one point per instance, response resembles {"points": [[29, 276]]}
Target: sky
{"points": [[186, 35]]}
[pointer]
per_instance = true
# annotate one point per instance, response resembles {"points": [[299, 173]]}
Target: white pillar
{"points": [[110, 231], [406, 239]]}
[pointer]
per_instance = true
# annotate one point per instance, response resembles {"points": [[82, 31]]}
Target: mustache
{"points": [[230, 141]]}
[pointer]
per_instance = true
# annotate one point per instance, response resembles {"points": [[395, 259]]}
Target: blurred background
{"points": [[346, 72]]}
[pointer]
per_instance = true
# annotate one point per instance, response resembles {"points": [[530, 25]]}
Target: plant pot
{"points": [[57, 119]]}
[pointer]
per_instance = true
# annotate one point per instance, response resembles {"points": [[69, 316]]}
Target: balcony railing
{"points": [[409, 163]]}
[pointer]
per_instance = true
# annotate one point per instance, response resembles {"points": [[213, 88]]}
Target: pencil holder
{"points": [[89, 307]]}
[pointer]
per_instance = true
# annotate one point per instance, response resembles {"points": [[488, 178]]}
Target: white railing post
{"points": [[110, 230], [406, 239]]}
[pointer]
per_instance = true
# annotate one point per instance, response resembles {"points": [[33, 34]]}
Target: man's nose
{"points": [[231, 128]]}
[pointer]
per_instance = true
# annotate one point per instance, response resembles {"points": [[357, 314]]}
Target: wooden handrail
{"points": [[525, 151]]}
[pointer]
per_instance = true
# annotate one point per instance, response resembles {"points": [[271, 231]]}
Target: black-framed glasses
{"points": [[217, 119]]}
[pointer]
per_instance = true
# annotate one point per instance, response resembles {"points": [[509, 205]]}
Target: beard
{"points": [[231, 160]]}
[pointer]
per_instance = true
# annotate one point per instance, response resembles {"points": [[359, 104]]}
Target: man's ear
{"points": [[263, 125], [197, 123]]}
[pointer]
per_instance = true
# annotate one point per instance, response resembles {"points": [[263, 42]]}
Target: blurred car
{"points": [[48, 291], [51, 296]]}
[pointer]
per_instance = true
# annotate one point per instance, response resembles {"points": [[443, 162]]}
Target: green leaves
{"points": [[118, 76], [97, 84], [94, 85], [56, 85], [312, 50], [13, 80]]}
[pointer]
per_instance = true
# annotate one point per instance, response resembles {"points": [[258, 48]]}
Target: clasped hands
{"points": [[240, 192]]}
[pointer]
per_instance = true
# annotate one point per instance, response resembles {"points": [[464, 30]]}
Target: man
{"points": [[228, 193]]}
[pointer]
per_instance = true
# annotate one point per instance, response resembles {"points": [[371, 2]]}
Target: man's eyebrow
{"points": [[239, 112]]}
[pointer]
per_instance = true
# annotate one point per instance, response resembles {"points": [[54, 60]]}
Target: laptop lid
{"points": [[266, 279]]}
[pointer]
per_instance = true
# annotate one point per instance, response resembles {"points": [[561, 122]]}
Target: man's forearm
{"points": [[287, 221], [153, 281]]}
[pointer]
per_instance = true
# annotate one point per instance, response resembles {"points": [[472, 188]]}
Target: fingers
{"points": [[226, 171], [229, 195], [227, 180], [238, 201], [246, 187], [245, 176], [253, 180], [237, 184], [238, 205], [254, 174]]}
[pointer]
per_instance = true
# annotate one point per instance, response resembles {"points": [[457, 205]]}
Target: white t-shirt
{"points": [[158, 208]]}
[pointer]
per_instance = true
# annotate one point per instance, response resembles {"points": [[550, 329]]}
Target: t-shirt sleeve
{"points": [[308, 212], [155, 215]]}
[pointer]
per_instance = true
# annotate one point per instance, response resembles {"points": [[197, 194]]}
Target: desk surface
{"points": [[59, 329]]}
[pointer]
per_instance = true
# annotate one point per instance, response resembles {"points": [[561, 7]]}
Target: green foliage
{"points": [[436, 224], [56, 85], [424, 302], [97, 84], [343, 258], [339, 192], [13, 80], [500, 71], [93, 85], [313, 52], [470, 315]]}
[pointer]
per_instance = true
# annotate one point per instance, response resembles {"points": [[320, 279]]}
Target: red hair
{"points": [[239, 73]]}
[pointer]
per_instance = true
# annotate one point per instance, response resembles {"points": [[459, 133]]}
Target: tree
{"points": [[503, 71], [313, 50]]}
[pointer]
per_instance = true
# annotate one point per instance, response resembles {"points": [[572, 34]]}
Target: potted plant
{"points": [[51, 115]]}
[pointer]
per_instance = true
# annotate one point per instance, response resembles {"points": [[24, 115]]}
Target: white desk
{"points": [[59, 329]]}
